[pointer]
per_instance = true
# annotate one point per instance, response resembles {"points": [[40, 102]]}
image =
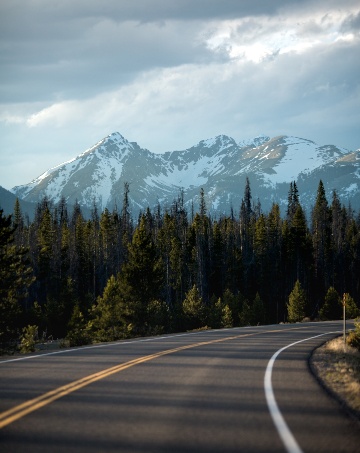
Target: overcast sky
{"points": [[169, 73]]}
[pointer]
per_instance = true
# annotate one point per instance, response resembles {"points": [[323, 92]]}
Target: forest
{"points": [[111, 276]]}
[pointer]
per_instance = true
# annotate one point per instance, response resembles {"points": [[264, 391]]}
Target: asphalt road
{"points": [[195, 392]]}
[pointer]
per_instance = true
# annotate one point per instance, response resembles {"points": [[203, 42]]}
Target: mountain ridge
{"points": [[219, 165]]}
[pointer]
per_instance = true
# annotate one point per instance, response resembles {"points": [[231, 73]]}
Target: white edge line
{"points": [[283, 430]]}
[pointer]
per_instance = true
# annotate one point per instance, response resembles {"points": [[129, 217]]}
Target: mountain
{"points": [[7, 204], [219, 165]]}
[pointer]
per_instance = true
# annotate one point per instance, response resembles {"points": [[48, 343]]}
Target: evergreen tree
{"points": [[301, 244], [233, 260], [339, 220], [293, 201], [217, 261], [141, 278], [28, 339], [351, 309], [352, 259], [246, 238], [321, 234], [245, 314], [126, 219], [194, 309], [297, 303], [234, 302], [229, 260], [19, 225], [258, 311], [261, 253], [215, 313], [45, 256], [226, 317], [158, 317], [274, 290], [110, 317], [77, 334], [59, 309], [201, 255], [16, 276], [332, 308]]}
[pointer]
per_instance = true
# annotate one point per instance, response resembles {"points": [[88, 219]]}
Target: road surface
{"points": [[232, 390]]}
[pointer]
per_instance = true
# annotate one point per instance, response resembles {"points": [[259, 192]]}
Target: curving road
{"points": [[234, 390]]}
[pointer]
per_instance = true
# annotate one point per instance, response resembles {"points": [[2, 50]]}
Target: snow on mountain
{"points": [[219, 165], [89, 176], [301, 156], [254, 142]]}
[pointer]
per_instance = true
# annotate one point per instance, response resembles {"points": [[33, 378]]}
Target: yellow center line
{"points": [[17, 412]]}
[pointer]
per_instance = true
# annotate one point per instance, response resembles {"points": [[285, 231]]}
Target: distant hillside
{"points": [[7, 203]]}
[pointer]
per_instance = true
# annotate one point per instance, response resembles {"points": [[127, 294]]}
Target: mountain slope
{"points": [[7, 204], [219, 165]]}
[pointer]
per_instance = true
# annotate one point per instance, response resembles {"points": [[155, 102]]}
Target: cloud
{"points": [[173, 74], [187, 101]]}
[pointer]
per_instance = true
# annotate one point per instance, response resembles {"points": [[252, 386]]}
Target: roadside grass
{"points": [[338, 368]]}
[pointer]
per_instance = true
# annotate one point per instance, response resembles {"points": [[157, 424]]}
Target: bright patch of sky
{"points": [[261, 38]]}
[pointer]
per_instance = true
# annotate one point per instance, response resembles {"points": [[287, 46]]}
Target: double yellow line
{"points": [[17, 412]]}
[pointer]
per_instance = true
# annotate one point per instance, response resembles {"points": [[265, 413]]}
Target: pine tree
{"points": [[321, 233], [28, 339], [18, 223], [331, 308], [16, 277], [110, 316], [261, 253], [45, 244], [194, 309], [226, 317], [158, 317], [351, 309], [141, 277], [274, 292], [352, 276], [77, 335], [293, 201], [258, 311], [217, 261], [297, 303], [233, 259], [245, 314], [125, 216], [201, 256], [234, 302], [246, 238], [215, 312], [339, 220]]}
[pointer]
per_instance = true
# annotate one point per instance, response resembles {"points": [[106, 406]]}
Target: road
{"points": [[233, 390]]}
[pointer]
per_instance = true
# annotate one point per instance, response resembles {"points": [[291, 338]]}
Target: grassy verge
{"points": [[338, 369]]}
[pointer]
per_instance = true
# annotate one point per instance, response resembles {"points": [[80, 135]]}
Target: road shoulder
{"points": [[338, 371]]}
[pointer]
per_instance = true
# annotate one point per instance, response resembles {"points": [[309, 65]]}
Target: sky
{"points": [[169, 73]]}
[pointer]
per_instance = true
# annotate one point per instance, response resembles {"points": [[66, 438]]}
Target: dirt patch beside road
{"points": [[338, 369]]}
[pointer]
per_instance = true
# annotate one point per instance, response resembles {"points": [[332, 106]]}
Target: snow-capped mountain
{"points": [[219, 165]]}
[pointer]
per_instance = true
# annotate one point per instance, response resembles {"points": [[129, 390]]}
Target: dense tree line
{"points": [[110, 276]]}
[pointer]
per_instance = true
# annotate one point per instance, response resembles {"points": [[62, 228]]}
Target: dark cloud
{"points": [[26, 14], [352, 23], [99, 56]]}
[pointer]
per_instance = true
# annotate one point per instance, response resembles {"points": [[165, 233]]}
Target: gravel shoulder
{"points": [[338, 370]]}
